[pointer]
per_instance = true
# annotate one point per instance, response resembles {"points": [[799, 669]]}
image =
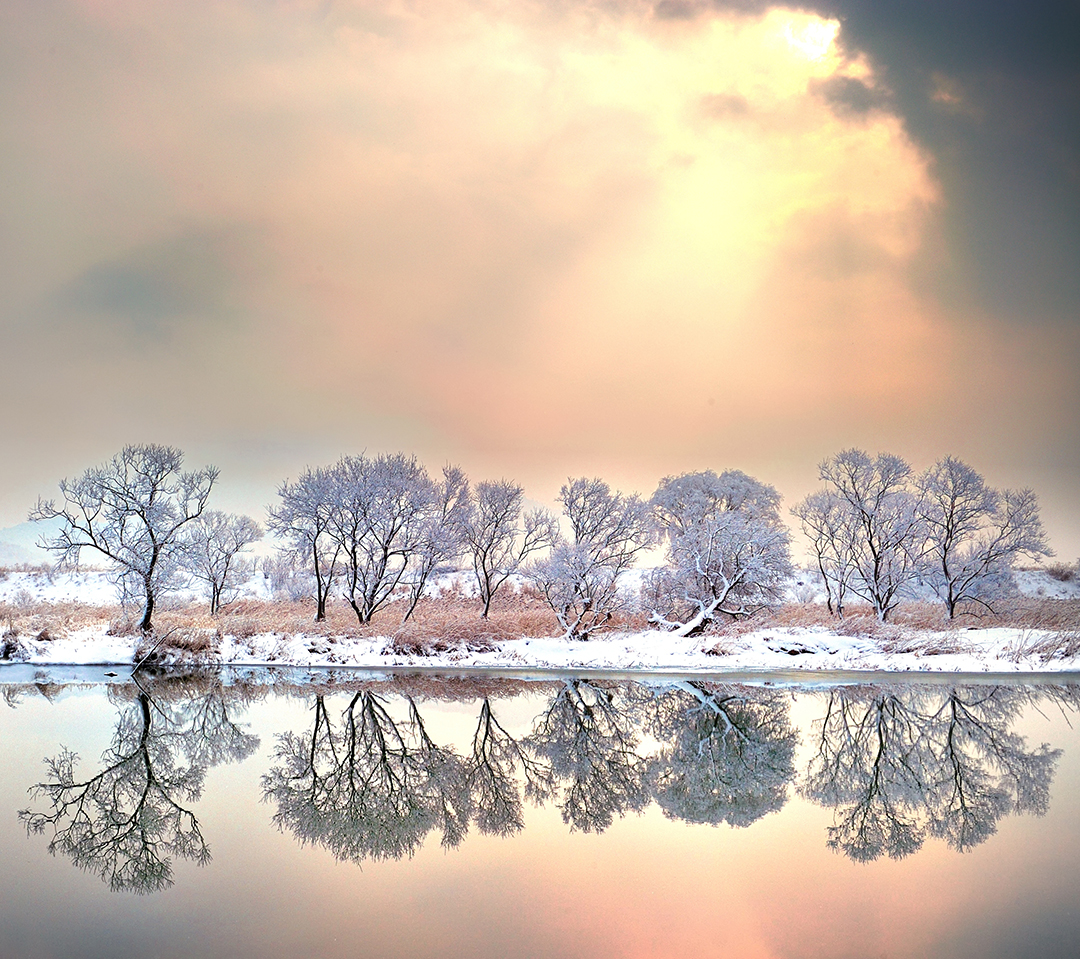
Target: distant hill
{"points": [[18, 544]]}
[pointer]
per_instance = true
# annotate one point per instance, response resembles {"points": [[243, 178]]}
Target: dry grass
{"points": [[916, 644], [721, 649], [857, 622], [1044, 646], [1020, 613], [179, 646], [1032, 613], [452, 621], [51, 621]]}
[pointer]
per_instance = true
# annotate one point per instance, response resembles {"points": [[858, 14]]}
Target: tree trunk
{"points": [[147, 621]]}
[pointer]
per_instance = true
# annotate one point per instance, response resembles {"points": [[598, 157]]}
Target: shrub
{"points": [[1062, 572]]}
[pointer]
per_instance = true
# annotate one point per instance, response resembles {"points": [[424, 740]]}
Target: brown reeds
{"points": [[452, 621]]}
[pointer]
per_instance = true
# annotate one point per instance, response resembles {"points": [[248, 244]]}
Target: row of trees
{"points": [[878, 530], [374, 530]]}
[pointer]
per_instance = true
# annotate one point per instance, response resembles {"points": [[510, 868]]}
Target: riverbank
{"points": [[995, 649], [65, 620]]}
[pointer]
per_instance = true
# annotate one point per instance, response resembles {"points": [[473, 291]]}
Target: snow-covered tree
{"points": [[974, 534], [385, 509], [500, 539], [879, 531], [580, 578], [302, 519], [728, 549], [133, 511], [828, 523], [214, 544], [443, 532]]}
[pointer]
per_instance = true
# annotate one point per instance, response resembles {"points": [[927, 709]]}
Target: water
{"points": [[484, 817]]}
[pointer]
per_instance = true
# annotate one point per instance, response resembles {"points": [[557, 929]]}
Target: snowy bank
{"points": [[997, 650], [86, 640]]}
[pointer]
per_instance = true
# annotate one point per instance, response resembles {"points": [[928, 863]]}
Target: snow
{"points": [[766, 650], [93, 587], [88, 587]]}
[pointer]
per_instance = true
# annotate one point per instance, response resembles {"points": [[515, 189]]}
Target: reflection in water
{"points": [[497, 767], [902, 764], [128, 822], [374, 788], [727, 754], [897, 764], [589, 734]]}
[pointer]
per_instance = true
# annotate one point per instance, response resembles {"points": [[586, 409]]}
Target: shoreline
{"points": [[27, 674], [770, 650]]}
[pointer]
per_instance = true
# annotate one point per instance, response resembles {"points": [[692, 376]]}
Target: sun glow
{"points": [[810, 36]]}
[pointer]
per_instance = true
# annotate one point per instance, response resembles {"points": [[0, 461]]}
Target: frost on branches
{"points": [[133, 511], [728, 549], [974, 534], [580, 578], [879, 534]]}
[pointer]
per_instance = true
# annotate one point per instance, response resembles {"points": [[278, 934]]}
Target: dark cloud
{"points": [[993, 91], [677, 9], [723, 105], [151, 288], [849, 96]]}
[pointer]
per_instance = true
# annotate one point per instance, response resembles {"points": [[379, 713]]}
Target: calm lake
{"points": [[479, 816]]}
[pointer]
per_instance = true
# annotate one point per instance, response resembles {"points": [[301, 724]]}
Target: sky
{"points": [[541, 239]]}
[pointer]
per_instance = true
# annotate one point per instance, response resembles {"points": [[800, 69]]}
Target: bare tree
{"points": [[500, 540], [214, 544], [304, 520], [974, 533], [133, 511], [728, 549], [443, 534], [382, 509], [880, 529], [827, 523], [580, 579]]}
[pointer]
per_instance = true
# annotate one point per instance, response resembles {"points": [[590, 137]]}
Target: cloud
{"points": [[147, 290], [536, 238], [849, 95], [992, 91]]}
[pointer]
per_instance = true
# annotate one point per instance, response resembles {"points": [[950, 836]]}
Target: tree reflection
{"points": [[372, 789], [901, 765], [726, 756], [590, 740], [127, 823], [499, 764]]}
